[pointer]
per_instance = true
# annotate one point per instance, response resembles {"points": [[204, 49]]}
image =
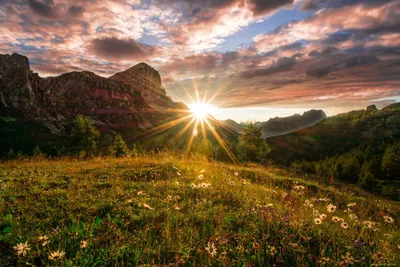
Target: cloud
{"points": [[281, 65], [76, 10], [112, 48], [44, 8]]}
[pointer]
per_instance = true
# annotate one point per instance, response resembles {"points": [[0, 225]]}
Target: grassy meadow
{"points": [[170, 210]]}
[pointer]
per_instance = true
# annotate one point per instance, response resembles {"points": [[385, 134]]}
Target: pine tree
{"points": [[119, 147], [37, 151], [85, 135], [11, 154], [252, 146], [391, 162]]}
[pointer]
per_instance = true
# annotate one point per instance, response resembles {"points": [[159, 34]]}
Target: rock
{"points": [[134, 98], [372, 108]]}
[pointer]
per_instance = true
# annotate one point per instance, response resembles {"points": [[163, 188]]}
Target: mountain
{"points": [[134, 98], [39, 111], [360, 147], [337, 135], [280, 126]]}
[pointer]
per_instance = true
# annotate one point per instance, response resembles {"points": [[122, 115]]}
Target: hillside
{"points": [[280, 126], [338, 134], [360, 147], [168, 209]]}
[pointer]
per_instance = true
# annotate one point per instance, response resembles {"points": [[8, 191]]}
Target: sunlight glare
{"points": [[200, 110]]}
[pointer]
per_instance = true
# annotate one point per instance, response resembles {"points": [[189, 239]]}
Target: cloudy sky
{"points": [[254, 59]]}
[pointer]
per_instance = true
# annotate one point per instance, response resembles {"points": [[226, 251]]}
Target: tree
{"points": [[119, 147], [11, 154], [391, 162], [252, 146], [85, 135], [367, 178], [37, 151]]}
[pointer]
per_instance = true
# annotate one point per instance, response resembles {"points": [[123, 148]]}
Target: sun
{"points": [[200, 110]]}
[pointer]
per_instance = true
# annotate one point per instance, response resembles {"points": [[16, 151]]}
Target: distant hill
{"points": [[280, 126], [361, 147], [337, 134]]}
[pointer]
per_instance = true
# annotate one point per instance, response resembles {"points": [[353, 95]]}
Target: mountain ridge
{"points": [[112, 102], [283, 125]]}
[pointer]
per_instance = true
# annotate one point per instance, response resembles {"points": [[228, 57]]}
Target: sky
{"points": [[252, 59]]}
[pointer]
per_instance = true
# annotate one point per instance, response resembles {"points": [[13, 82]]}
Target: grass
{"points": [[155, 210]]}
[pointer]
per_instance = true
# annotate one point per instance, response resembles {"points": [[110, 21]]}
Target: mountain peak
{"points": [[142, 71]]}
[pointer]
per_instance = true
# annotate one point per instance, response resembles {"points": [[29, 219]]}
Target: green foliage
{"points": [[119, 147], [85, 135], [252, 146], [11, 154], [36, 151], [367, 179], [168, 209], [391, 162]]}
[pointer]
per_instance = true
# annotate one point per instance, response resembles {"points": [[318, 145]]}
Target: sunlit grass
{"points": [[168, 208]]}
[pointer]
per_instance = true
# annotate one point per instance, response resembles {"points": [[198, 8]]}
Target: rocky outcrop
{"points": [[148, 82], [372, 108], [134, 98]]}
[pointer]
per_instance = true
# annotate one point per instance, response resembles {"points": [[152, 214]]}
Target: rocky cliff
{"points": [[134, 98]]}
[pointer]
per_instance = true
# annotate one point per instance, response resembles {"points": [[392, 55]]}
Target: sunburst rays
{"points": [[197, 119]]}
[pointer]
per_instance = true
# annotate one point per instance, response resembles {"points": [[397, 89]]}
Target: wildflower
{"points": [[388, 219], [22, 248], [325, 261], [231, 183], [284, 195], [236, 174], [83, 244], [331, 208], [211, 249], [317, 221], [322, 216], [315, 212], [353, 204], [177, 208], [344, 225], [147, 206], [43, 240], [368, 224], [348, 259], [353, 217], [177, 183], [335, 219], [204, 185], [201, 176], [341, 220], [271, 250], [141, 193], [57, 255]]}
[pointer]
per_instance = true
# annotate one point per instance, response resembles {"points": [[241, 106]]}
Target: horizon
{"points": [[254, 56]]}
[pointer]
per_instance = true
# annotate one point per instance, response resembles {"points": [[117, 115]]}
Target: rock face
{"points": [[148, 82], [134, 98], [372, 108], [279, 126]]}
